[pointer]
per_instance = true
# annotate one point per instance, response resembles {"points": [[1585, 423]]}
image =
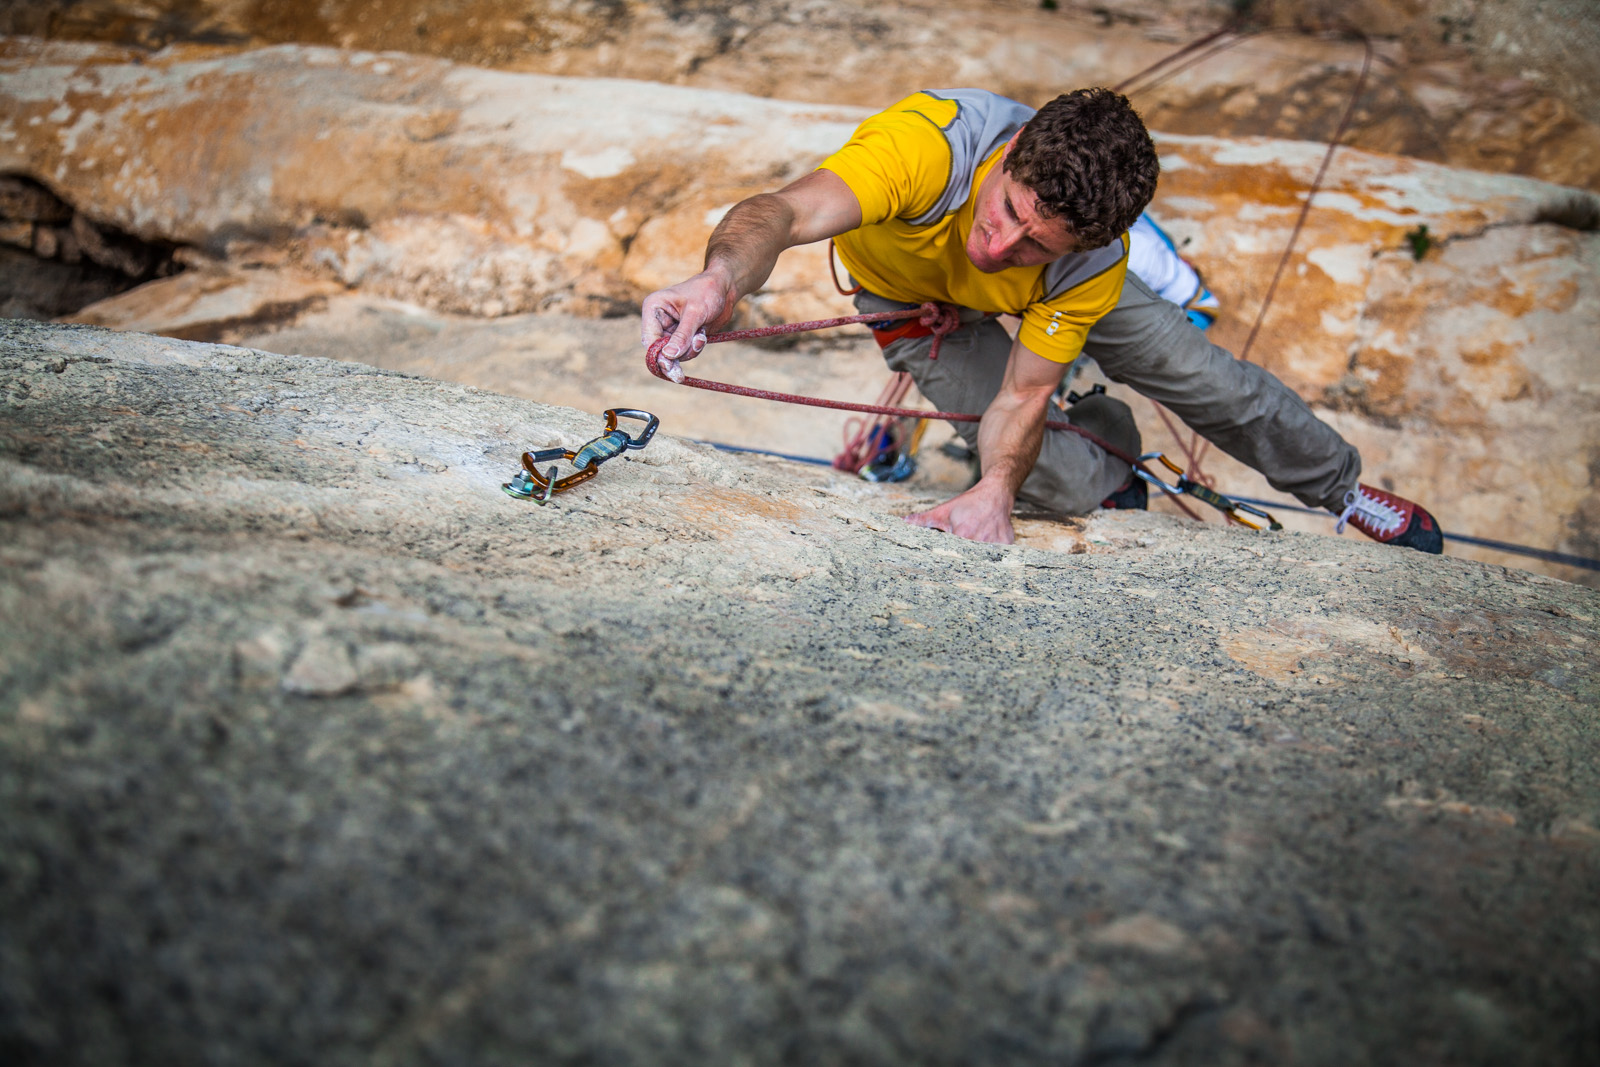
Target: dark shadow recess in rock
{"points": [[55, 260]]}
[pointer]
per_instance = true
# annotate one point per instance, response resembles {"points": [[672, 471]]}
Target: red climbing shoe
{"points": [[1391, 519]]}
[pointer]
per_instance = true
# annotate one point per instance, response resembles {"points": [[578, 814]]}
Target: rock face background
{"points": [[311, 739], [1504, 85], [462, 189], [1465, 377]]}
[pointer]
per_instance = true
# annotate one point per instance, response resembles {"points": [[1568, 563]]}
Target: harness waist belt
{"points": [[887, 333]]}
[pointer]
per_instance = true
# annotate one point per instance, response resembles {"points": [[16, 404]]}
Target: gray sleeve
{"points": [[1072, 270], [983, 122]]}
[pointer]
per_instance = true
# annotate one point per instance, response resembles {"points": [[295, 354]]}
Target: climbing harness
{"points": [[879, 449], [530, 484], [1233, 509]]}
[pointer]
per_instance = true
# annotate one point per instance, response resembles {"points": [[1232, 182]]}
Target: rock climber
{"points": [[966, 198]]}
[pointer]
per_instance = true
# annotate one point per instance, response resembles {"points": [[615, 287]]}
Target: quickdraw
{"points": [[530, 484], [1229, 507]]}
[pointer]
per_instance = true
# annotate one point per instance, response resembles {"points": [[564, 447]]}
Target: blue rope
{"points": [[1582, 562], [1522, 550], [720, 447]]}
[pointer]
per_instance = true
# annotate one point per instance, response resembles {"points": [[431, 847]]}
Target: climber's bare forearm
{"points": [[742, 252], [747, 242], [1012, 430], [1009, 438]]}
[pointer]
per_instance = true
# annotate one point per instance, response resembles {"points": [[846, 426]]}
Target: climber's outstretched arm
{"points": [[741, 254]]}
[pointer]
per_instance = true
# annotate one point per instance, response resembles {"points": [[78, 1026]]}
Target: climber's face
{"points": [[1008, 230]]}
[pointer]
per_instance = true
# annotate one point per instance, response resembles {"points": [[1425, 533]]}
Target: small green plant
{"points": [[1419, 241], [1049, 5]]}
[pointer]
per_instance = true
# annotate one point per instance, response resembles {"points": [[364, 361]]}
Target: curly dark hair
{"points": [[1088, 158]]}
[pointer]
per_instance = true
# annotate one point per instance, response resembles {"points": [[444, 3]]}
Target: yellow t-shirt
{"points": [[916, 169]]}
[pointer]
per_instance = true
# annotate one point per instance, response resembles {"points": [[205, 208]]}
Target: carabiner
{"points": [[614, 442], [532, 484]]}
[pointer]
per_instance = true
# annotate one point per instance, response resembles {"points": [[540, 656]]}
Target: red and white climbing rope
{"points": [[939, 319]]}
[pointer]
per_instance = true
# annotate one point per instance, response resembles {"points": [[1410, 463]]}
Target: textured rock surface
{"points": [[593, 364], [1506, 85], [317, 746]]}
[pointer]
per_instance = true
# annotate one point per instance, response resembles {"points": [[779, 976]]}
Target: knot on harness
{"points": [[929, 320], [939, 320]]}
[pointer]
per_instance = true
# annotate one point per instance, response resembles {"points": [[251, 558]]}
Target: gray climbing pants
{"points": [[1149, 345]]}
